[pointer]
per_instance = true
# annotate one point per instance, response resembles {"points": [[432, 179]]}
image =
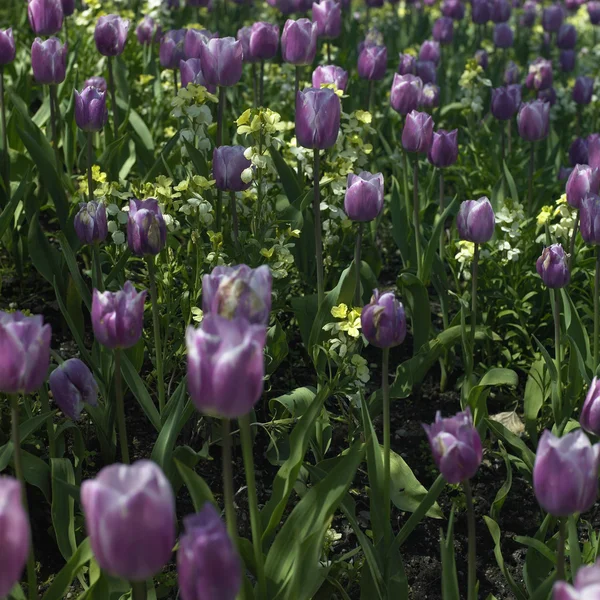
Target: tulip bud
{"points": [[586, 586], [529, 14], [500, 11], [72, 384], [444, 148], [533, 120], [171, 48], [383, 320], [480, 11], [407, 65], [566, 37], [243, 36], [578, 152], [593, 9], [299, 42], [364, 196], [552, 266], [589, 218], [552, 18], [25, 353], [430, 96], [503, 36], [146, 31], [426, 71], [68, 7], [593, 141], [225, 365], [372, 62], [548, 95], [443, 30], [406, 93], [98, 82], [191, 72], [49, 61], [194, 39], [565, 473], [91, 113], [130, 519], [8, 50], [330, 74], [417, 133], [229, 163], [482, 59], [583, 180], [238, 292], [90, 222], [327, 14], [146, 228], [511, 74], [110, 35], [264, 41], [567, 60], [430, 51], [455, 446], [583, 89], [454, 9], [118, 317], [207, 559], [540, 74], [45, 16], [503, 105], [222, 61], [476, 221], [317, 118], [15, 534]]}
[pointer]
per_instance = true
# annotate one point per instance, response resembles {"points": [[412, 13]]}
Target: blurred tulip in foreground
{"points": [[45, 16], [299, 41], [328, 74], [8, 49], [583, 180], [49, 61], [589, 219]]}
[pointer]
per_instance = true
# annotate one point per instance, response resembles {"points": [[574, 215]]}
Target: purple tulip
{"points": [[406, 93], [383, 320], [475, 221], [194, 39], [373, 38], [593, 141], [504, 105], [480, 11], [146, 228], [430, 51], [454, 9], [91, 113], [566, 37], [443, 30], [590, 412], [327, 14], [533, 120], [15, 534], [500, 11], [24, 352], [146, 31], [90, 223], [68, 7], [589, 217], [110, 35], [191, 72], [130, 519], [299, 42], [364, 196], [540, 74], [514, 90], [567, 60], [243, 36], [426, 71], [229, 163], [586, 585], [72, 384], [583, 180], [503, 35], [8, 49], [564, 173], [511, 73], [529, 14], [225, 365], [407, 65], [372, 63], [552, 18], [45, 16], [98, 82], [205, 3], [565, 473], [482, 59], [317, 118], [222, 60], [430, 96], [330, 74], [552, 266], [593, 9], [578, 152], [208, 565], [287, 7], [49, 61], [264, 41], [548, 95], [417, 133], [455, 446], [444, 148], [171, 51], [583, 89]]}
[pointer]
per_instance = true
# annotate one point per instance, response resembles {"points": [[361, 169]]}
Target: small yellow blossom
{"points": [[267, 253], [340, 311], [364, 116], [145, 79], [544, 215]]}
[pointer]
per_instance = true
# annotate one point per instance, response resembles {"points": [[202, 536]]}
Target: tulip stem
{"points": [[16, 440], [471, 351], [596, 308], [573, 238], [531, 169], [442, 232], [228, 480], [53, 124], [234, 216], [90, 164], [138, 590], [317, 218], [416, 211], [220, 113], [157, 342], [121, 426], [405, 182], [557, 353], [509, 135], [255, 522], [49, 424], [113, 96], [99, 280], [262, 83], [255, 85], [560, 554], [385, 391], [5, 159], [296, 90], [175, 85], [328, 52], [357, 264], [472, 576]]}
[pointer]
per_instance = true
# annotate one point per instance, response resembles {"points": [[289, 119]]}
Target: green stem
{"points": [[296, 90], [531, 169], [405, 183], [157, 341], [357, 264], [121, 426], [98, 280], [416, 213], [90, 164], [5, 157], [573, 238], [54, 124], [175, 84], [113, 97], [138, 590], [596, 308], [49, 421], [442, 202], [262, 83], [557, 355], [255, 85], [560, 554], [385, 390], [318, 233], [220, 113], [234, 217], [255, 522], [228, 480], [472, 577], [475, 271]]}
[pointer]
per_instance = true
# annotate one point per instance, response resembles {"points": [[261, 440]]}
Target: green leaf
{"points": [[59, 587], [197, 487], [449, 574], [537, 391], [138, 389], [71, 261], [287, 176], [511, 183], [157, 167], [547, 358], [8, 212], [419, 308], [574, 547], [502, 493], [514, 441], [63, 506], [44, 257], [537, 545], [478, 394], [36, 473], [401, 228], [434, 241]]}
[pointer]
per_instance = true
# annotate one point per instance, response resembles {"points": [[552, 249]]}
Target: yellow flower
{"points": [[97, 175], [267, 253], [145, 79], [364, 116], [544, 215], [340, 311]]}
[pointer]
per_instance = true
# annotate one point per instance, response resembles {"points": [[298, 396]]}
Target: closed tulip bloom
{"points": [[417, 133], [194, 39], [529, 14], [24, 352], [443, 30], [317, 118], [593, 141], [593, 9], [406, 93], [98, 82], [444, 148], [229, 163], [208, 565], [222, 60], [515, 91], [454, 9], [225, 365], [482, 59], [72, 384], [589, 217], [533, 120], [511, 73], [540, 74], [566, 37], [68, 7], [500, 11], [171, 51], [118, 317], [430, 51], [583, 180], [110, 35], [90, 223], [8, 49], [455, 446], [299, 42], [15, 534], [364, 196], [407, 65], [264, 41], [504, 104], [552, 18], [327, 14], [146, 30], [146, 228], [243, 35], [191, 72], [552, 266], [578, 152], [475, 221], [565, 473], [374, 37], [583, 89], [430, 96], [548, 95], [426, 71], [91, 113], [287, 7], [503, 35], [45, 16], [130, 519], [372, 62], [383, 320], [330, 74], [585, 587], [49, 61], [480, 11], [567, 60], [590, 412]]}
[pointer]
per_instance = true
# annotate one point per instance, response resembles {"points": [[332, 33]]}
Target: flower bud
{"points": [[225, 365], [589, 219], [548, 95], [330, 74], [146, 31], [49, 61], [72, 384], [482, 59], [426, 70], [264, 41], [552, 18], [480, 11], [566, 37], [15, 534], [503, 35], [90, 223], [222, 61], [417, 133], [593, 8], [207, 561], [364, 196], [130, 519], [110, 35], [533, 120], [287, 7], [406, 93], [228, 164], [194, 39], [583, 89], [430, 96], [444, 148], [593, 141], [45, 16], [430, 51], [8, 50], [476, 221], [511, 74], [383, 320], [98, 82], [243, 35], [578, 152], [552, 266], [407, 65], [567, 60], [454, 9], [455, 446], [299, 42], [529, 14], [540, 74], [191, 72], [503, 105], [91, 113], [586, 586], [372, 62], [327, 14], [68, 7], [24, 353], [443, 30], [146, 228], [500, 11], [317, 118], [171, 48], [565, 473], [583, 180]]}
